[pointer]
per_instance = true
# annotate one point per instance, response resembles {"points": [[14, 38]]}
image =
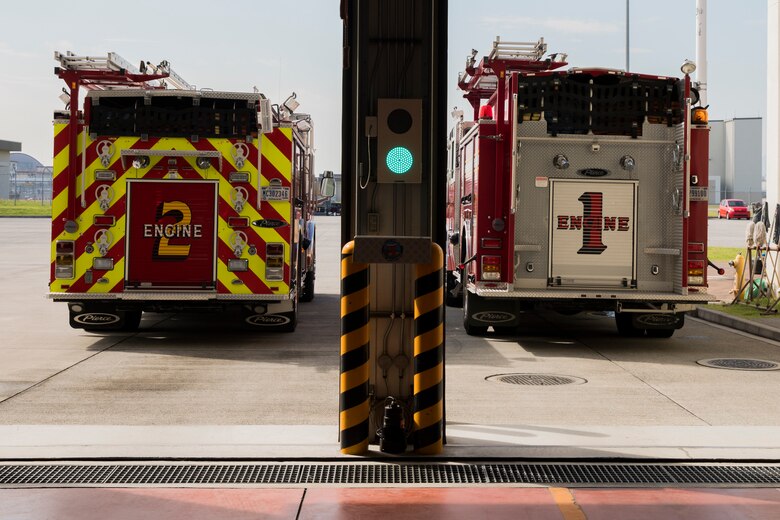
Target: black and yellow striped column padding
{"points": [[429, 354], [354, 368]]}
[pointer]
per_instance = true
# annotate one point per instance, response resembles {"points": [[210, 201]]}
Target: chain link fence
{"points": [[29, 185]]}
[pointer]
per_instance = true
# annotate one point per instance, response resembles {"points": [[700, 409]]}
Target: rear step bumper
{"points": [[591, 294]]}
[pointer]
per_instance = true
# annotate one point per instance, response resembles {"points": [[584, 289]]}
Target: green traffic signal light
{"points": [[399, 160]]}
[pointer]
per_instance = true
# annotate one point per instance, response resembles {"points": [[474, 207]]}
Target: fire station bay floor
{"points": [[185, 386], [623, 404]]}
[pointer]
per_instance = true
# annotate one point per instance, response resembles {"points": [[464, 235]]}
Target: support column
{"points": [[429, 354], [353, 367]]}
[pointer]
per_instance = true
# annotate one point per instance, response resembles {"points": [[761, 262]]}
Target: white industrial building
{"points": [[736, 165]]}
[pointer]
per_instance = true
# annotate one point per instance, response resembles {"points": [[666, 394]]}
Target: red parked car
{"points": [[733, 208]]}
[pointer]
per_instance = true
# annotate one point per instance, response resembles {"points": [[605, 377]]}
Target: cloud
{"points": [[566, 25], [7, 50]]}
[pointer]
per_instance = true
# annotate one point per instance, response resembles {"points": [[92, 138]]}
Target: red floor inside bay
{"points": [[401, 503]]}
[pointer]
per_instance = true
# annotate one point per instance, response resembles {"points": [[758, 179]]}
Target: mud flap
{"points": [[658, 321], [277, 318], [97, 317], [482, 312]]}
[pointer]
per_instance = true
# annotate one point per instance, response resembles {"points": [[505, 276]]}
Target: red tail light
{"points": [[491, 267]]}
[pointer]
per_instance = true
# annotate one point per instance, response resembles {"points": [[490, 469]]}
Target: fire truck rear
{"points": [[169, 198], [578, 190]]}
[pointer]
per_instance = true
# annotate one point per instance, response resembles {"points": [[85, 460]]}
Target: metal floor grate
{"points": [[536, 379], [296, 474], [739, 364]]}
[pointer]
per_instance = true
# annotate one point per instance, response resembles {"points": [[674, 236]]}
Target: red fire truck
{"points": [[168, 198], [576, 190]]}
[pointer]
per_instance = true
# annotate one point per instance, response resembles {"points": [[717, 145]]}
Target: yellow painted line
{"points": [[567, 504]]}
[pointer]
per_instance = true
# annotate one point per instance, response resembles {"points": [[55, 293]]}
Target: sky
{"points": [[295, 46]]}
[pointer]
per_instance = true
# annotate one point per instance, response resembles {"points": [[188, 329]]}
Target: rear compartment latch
{"points": [[103, 240], [238, 242], [240, 154], [104, 195], [238, 197]]}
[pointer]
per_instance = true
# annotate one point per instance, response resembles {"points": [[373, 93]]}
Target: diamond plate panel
{"points": [[658, 226], [392, 250]]}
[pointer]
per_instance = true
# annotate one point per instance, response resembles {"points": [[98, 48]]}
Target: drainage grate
{"points": [[536, 379], [390, 473], [739, 364]]}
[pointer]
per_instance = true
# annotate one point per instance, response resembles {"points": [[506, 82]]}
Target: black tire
{"points": [[132, 321], [728, 217], [307, 290], [660, 333], [625, 327], [470, 328], [719, 215]]}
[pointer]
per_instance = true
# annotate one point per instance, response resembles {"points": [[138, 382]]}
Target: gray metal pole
{"points": [[627, 37], [701, 49], [773, 103]]}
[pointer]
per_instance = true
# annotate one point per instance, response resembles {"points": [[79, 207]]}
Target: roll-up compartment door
{"points": [[592, 233]]}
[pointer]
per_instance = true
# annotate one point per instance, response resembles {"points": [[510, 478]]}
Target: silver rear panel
{"points": [[658, 222]]}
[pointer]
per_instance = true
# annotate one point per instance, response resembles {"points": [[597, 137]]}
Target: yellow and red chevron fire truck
{"points": [[168, 198], [576, 190]]}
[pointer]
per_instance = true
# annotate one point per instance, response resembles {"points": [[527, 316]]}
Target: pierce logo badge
{"points": [[96, 318], [494, 316], [269, 223], [267, 320]]}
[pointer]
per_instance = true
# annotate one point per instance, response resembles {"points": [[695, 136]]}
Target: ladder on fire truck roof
{"points": [[102, 73], [480, 80], [113, 65], [517, 50]]}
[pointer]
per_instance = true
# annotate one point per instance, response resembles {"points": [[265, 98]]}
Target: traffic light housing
{"points": [[399, 141]]}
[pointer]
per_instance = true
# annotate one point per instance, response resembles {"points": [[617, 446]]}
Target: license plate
{"points": [[275, 193]]}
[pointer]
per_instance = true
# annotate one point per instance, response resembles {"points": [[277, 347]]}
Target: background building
{"points": [[6, 147], [736, 160], [29, 179]]}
